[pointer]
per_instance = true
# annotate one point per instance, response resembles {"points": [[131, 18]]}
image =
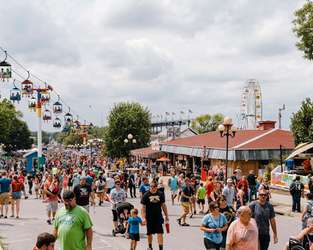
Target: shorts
{"points": [[155, 227], [201, 201], [211, 245], [4, 198], [16, 195], [185, 206], [134, 237], [115, 216], [52, 206]]}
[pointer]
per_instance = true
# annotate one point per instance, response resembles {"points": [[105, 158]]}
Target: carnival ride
{"points": [[251, 105], [38, 97]]}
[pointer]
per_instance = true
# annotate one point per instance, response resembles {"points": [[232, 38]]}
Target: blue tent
{"points": [[31, 160]]}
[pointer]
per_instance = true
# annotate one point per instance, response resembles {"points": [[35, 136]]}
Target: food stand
{"points": [[299, 162]]}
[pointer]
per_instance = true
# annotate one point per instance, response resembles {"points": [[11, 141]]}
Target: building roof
{"points": [[244, 139], [147, 152]]}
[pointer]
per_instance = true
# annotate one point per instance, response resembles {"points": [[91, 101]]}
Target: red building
{"points": [[249, 149]]}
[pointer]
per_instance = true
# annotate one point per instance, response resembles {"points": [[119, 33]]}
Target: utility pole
{"points": [[279, 115]]}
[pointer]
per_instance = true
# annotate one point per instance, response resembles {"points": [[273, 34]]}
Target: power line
{"points": [[38, 78]]}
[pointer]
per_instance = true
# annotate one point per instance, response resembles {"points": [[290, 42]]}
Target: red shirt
{"points": [[244, 183], [209, 188], [17, 186]]}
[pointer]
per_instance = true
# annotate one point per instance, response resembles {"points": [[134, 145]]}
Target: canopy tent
{"points": [[300, 149]]}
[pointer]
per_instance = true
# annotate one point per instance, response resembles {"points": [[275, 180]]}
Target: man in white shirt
{"points": [[229, 192]]}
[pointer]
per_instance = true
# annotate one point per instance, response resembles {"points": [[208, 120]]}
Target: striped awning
{"points": [[300, 150]]}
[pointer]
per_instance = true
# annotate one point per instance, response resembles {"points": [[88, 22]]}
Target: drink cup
{"points": [[167, 227]]}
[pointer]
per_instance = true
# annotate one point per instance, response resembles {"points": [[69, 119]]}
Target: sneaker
{"points": [[49, 222], [179, 221], [185, 225]]}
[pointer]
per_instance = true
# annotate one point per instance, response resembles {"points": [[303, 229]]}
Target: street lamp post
{"points": [[130, 139], [226, 131]]}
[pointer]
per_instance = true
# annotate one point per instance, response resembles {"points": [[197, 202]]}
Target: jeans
{"points": [[264, 241], [132, 190], [296, 203]]}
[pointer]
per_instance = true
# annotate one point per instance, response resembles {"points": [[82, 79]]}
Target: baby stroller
{"points": [[295, 244], [123, 212]]}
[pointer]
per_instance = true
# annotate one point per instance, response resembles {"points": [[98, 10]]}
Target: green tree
{"points": [[206, 123], [73, 138], [46, 136], [303, 28], [302, 122], [98, 132], [127, 118], [14, 132]]}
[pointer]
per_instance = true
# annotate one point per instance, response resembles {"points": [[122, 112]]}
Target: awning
{"points": [[147, 152], [163, 159], [300, 150]]}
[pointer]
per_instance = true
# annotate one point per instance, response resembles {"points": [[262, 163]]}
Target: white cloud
{"points": [[167, 54]]}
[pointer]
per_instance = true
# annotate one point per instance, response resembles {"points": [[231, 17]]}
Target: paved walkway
{"points": [[21, 234]]}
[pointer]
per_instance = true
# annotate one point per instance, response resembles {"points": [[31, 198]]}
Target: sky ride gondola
{"points": [[15, 94], [47, 116], [27, 86], [58, 107], [45, 97], [32, 104], [57, 123], [5, 69], [68, 117]]}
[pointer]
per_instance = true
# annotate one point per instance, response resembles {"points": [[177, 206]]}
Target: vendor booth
{"points": [[299, 162]]}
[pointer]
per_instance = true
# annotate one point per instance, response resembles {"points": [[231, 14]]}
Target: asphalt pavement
{"points": [[20, 234]]}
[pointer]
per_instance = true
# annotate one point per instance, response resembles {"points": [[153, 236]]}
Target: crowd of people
{"points": [[237, 213]]}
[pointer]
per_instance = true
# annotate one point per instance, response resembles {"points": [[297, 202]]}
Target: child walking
{"points": [[201, 193], [133, 228]]}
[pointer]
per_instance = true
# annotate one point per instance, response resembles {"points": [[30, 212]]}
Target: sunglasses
{"points": [[153, 186], [262, 195]]}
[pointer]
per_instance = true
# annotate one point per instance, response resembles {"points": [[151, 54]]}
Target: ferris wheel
{"points": [[251, 105]]}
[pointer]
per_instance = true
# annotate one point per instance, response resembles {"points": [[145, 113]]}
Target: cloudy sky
{"points": [[169, 55]]}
